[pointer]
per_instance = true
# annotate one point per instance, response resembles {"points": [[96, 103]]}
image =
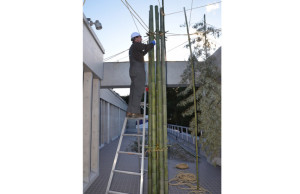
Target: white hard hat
{"points": [[135, 34]]}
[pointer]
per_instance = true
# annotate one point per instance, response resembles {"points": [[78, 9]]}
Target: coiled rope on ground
{"points": [[188, 180]]}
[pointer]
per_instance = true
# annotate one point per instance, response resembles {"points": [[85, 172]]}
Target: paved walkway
{"points": [[209, 176]]}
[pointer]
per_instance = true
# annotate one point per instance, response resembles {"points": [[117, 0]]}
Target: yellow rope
{"points": [[156, 149], [188, 181]]}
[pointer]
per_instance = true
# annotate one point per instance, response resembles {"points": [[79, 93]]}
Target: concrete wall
{"points": [[93, 51], [91, 124], [113, 98], [112, 118], [103, 110], [116, 74]]}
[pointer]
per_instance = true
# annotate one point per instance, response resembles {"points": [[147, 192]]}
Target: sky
{"points": [[118, 24]]}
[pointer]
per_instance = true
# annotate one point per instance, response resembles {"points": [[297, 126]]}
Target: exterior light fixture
{"points": [[98, 25]]}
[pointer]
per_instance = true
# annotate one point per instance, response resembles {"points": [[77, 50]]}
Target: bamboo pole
{"points": [[153, 110], [205, 39], [195, 105], [164, 93], [150, 67], [159, 105]]}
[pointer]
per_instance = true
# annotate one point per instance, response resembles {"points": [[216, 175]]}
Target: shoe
{"points": [[128, 114]]}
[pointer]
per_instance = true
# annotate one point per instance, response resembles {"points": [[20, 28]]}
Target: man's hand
{"points": [[153, 42]]}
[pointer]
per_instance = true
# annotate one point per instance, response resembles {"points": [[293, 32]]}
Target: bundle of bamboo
{"points": [[157, 158], [157, 146]]}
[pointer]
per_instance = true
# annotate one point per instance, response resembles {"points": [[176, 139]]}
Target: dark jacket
{"points": [[137, 52]]}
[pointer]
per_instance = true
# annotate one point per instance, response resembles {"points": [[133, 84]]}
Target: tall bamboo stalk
{"points": [[153, 109], [159, 104], [164, 93], [205, 39], [150, 69], [195, 104]]}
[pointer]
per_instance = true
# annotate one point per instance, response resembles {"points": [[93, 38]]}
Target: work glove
{"points": [[153, 42]]}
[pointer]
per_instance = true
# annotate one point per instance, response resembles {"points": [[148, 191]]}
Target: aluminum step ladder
{"points": [[142, 154]]}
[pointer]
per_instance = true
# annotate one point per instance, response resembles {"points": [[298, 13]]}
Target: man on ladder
{"points": [[137, 73], [138, 79]]}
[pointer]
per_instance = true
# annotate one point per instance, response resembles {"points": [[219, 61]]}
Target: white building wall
{"points": [[103, 110]]}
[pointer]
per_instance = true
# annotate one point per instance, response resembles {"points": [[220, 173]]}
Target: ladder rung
{"points": [[137, 118], [127, 172], [116, 192], [127, 134], [130, 153]]}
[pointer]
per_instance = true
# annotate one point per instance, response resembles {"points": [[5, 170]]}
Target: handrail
{"points": [[181, 131]]}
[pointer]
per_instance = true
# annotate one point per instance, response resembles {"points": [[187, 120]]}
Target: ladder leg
{"points": [[116, 157], [143, 146], [138, 141]]}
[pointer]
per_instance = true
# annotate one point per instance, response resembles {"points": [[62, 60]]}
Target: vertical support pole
{"points": [[87, 124], [159, 102], [95, 126], [149, 112], [187, 134], [101, 123], [119, 121], [153, 108], [164, 94], [108, 122], [138, 141], [195, 104], [205, 39]]}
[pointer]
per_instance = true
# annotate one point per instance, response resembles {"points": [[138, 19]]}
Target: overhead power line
{"points": [[113, 56], [159, 4], [136, 13], [191, 13], [167, 51], [173, 34], [193, 8], [108, 58], [134, 20], [177, 46], [139, 19]]}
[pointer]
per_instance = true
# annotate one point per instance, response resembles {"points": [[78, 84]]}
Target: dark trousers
{"points": [[137, 88]]}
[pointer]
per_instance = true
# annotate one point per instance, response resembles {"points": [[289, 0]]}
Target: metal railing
{"points": [[181, 132]]}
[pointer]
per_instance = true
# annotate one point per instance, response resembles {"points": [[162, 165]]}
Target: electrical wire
{"points": [[173, 34], [113, 56], [135, 16], [108, 58], [193, 8], [191, 13], [213, 26], [159, 4], [168, 34], [134, 20], [177, 46], [135, 24]]}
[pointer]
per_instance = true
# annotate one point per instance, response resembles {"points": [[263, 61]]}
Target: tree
{"points": [[208, 91], [204, 43], [174, 112]]}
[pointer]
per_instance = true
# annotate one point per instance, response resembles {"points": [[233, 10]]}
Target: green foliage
{"points": [[173, 111], [203, 43], [208, 92], [208, 97]]}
